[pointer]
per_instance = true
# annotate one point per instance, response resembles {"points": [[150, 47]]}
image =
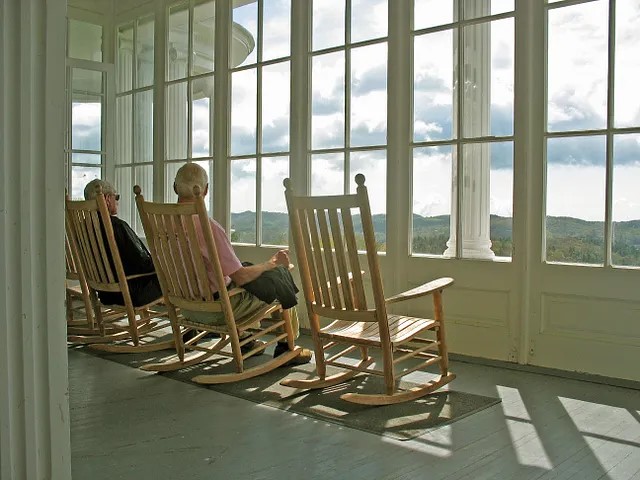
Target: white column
{"points": [[475, 80], [34, 404], [176, 105]]}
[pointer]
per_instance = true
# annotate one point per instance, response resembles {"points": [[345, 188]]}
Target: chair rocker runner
{"points": [[332, 278], [94, 249], [171, 230]]}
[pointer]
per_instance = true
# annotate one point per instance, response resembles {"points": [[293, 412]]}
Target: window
{"points": [[189, 83], [86, 146], [463, 84], [592, 134], [134, 114], [349, 101], [260, 101]]}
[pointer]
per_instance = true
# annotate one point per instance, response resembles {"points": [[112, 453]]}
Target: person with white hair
{"points": [[272, 274], [135, 256]]}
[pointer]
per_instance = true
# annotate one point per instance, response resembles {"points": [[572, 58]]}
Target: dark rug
{"points": [[402, 422]]}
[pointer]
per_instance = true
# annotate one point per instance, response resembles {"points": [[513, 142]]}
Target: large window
{"points": [[593, 133], [260, 105], [463, 87], [188, 93], [86, 145], [349, 101], [134, 114]]}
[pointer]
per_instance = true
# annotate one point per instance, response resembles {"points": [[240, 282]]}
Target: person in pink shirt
{"points": [[235, 274]]}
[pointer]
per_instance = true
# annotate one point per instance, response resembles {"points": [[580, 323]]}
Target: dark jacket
{"points": [[136, 259], [274, 284]]}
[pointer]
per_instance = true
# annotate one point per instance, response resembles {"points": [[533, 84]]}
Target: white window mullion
{"points": [[399, 133], [222, 113], [608, 211], [159, 55], [300, 107]]}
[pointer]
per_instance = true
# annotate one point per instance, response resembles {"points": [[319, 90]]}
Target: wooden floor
{"points": [[128, 424]]}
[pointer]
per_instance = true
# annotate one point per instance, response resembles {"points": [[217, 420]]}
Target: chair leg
{"points": [[286, 316], [440, 333]]}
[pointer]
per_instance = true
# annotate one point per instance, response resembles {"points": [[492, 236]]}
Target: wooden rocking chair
{"points": [[102, 268], [332, 279], [170, 230]]}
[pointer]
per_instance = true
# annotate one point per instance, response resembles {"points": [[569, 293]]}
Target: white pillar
{"points": [[475, 80], [34, 404], [176, 105]]}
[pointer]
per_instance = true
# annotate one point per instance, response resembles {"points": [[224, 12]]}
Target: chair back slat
{"points": [[317, 258], [161, 237], [327, 248], [201, 278], [177, 256], [340, 255], [360, 300], [98, 244]]}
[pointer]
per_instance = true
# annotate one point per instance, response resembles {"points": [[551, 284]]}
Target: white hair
{"points": [[187, 177], [91, 189]]}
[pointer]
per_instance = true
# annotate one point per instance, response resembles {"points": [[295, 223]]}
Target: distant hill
{"points": [[568, 239]]}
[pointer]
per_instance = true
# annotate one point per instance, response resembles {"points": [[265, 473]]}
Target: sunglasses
{"points": [[116, 196]]}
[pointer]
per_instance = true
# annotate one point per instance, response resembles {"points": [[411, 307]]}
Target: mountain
{"points": [[568, 239]]}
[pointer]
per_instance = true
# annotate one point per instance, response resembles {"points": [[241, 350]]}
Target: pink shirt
{"points": [[229, 262]]}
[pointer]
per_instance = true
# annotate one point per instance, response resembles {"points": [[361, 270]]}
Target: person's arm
{"points": [[247, 274]]}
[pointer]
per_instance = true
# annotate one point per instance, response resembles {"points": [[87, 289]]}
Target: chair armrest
{"points": [[235, 291], [426, 289]]}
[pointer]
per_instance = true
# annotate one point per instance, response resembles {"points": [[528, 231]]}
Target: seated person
{"points": [[135, 257], [257, 278]]}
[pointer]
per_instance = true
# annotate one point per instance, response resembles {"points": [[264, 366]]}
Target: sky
{"points": [[577, 93]]}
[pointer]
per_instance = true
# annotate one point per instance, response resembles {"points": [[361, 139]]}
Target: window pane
{"points": [[369, 95], [275, 107], [86, 122], [433, 87], [143, 121], [243, 201], [144, 52], [476, 202], [626, 200], [577, 67], [245, 31], [575, 199], [176, 121], [369, 19], [432, 181], [124, 178], [123, 129], [488, 78], [80, 176], [501, 198], [202, 123], [482, 8], [203, 38], [373, 165], [327, 174], [627, 72], [170, 170], [243, 112], [328, 24], [91, 158], [276, 39], [85, 40], [275, 220], [431, 13], [327, 104], [124, 70], [177, 44]]}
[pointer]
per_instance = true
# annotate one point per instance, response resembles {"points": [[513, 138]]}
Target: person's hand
{"points": [[282, 258]]}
